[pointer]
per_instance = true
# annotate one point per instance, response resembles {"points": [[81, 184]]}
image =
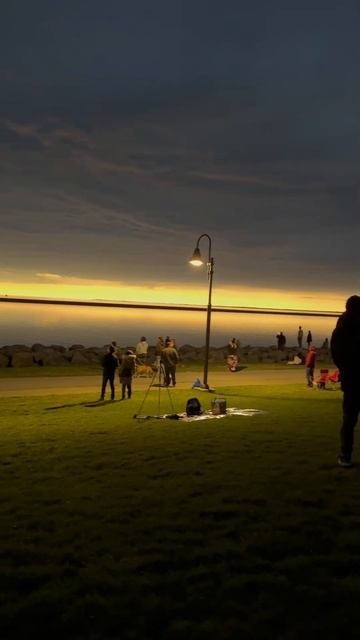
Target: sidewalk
{"points": [[91, 384]]}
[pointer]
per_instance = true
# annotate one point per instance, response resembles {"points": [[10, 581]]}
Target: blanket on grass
{"points": [[205, 415]]}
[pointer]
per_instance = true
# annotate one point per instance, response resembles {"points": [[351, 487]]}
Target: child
{"points": [[126, 371], [310, 366], [110, 364]]}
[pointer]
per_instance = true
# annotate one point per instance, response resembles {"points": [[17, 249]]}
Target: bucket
{"points": [[218, 406]]}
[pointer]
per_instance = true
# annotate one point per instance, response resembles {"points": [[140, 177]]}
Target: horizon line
{"points": [[168, 306]]}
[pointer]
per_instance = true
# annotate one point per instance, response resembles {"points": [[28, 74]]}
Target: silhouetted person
{"points": [[300, 336], [281, 341], [325, 344], [110, 364], [126, 372], [345, 350], [309, 339], [170, 358]]}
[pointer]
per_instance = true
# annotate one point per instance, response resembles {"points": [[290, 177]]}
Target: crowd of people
{"points": [[281, 339], [166, 357]]}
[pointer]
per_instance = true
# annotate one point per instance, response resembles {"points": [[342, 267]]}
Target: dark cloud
{"points": [[127, 129]]}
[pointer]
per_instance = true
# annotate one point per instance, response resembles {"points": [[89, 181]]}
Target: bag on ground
{"points": [[193, 407]]}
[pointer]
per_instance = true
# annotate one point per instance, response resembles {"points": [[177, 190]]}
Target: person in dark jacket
{"points": [[309, 339], [126, 371], [300, 335], [281, 341], [170, 358], [110, 364], [345, 351]]}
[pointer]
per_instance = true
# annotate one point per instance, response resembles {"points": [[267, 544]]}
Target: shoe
{"points": [[344, 462]]}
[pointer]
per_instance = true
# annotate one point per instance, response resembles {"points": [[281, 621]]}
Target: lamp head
{"points": [[196, 259]]}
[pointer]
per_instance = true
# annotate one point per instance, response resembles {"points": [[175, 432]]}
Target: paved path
{"points": [[91, 384]]}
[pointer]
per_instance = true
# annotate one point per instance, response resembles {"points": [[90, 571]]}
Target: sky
{"points": [[129, 128]]}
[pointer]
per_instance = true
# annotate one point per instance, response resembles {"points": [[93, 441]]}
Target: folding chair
{"points": [[324, 377], [334, 377]]}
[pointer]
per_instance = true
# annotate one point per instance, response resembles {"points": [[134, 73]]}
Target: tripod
{"points": [[157, 380]]}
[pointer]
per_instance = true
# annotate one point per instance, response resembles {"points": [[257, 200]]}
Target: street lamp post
{"points": [[197, 261]]}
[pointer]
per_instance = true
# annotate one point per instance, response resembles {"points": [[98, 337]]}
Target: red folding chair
{"points": [[334, 377], [324, 377]]}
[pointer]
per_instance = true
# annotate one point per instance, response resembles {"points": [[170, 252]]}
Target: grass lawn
{"points": [[242, 527], [95, 370]]}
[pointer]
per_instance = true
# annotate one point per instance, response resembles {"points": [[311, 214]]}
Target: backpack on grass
{"points": [[193, 407]]}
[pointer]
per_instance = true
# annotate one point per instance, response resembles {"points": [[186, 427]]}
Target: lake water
{"points": [[28, 323]]}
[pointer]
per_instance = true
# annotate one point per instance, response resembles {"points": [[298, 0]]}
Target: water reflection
{"points": [[92, 326]]}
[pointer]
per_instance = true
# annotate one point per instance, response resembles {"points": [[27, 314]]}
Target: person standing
{"points": [[170, 359], [310, 366], [300, 336], [109, 364], [281, 341], [309, 339], [126, 372], [325, 344], [158, 349], [233, 346], [142, 350], [345, 351]]}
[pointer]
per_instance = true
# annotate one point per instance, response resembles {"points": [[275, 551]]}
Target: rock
{"points": [[37, 347], [78, 358], [253, 358], [58, 347], [91, 356], [99, 351], [76, 347], [4, 360], [20, 347], [191, 353], [22, 359], [216, 355], [280, 356], [47, 357]]}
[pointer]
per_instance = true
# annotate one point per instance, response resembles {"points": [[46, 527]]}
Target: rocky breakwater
{"points": [[249, 354], [20, 355]]}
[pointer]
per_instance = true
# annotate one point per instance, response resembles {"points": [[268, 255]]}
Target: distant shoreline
{"points": [[170, 307]]}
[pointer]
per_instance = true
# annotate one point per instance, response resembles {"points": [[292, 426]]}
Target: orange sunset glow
{"points": [[58, 287]]}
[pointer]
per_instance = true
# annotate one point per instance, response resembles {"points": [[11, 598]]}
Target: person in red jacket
{"points": [[310, 366]]}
